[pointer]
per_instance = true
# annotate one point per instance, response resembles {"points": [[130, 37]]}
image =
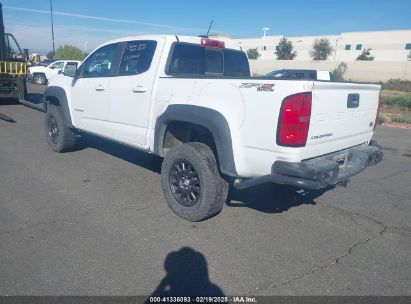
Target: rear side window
{"points": [[193, 59], [137, 57], [236, 64], [187, 59]]}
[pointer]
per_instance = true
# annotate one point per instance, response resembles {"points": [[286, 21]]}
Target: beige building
{"points": [[384, 45], [390, 49]]}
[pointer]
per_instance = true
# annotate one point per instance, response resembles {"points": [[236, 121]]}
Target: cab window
{"points": [[100, 63], [137, 57]]}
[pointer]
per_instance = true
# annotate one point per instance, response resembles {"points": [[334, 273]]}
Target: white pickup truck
{"points": [[40, 74], [191, 100]]}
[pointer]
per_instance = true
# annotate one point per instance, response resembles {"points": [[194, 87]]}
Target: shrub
{"points": [[397, 85], [321, 49], [365, 55], [381, 119], [338, 72], [402, 101], [69, 52], [284, 50], [402, 119], [253, 53]]}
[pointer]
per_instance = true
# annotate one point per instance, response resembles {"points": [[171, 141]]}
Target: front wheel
{"points": [[191, 182], [60, 138]]}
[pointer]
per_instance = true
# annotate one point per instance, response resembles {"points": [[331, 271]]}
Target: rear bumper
{"points": [[320, 172]]}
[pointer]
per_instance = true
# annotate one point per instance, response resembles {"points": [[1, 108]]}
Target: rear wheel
{"points": [[191, 182], [60, 138]]}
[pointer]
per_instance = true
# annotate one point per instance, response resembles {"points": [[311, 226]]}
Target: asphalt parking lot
{"points": [[94, 222]]}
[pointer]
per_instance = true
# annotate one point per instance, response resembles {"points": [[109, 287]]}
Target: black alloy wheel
{"points": [[53, 129], [184, 183]]}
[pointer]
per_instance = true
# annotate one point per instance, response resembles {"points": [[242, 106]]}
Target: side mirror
{"points": [[70, 69]]}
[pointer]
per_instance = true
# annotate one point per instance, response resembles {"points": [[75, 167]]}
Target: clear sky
{"points": [[86, 23]]}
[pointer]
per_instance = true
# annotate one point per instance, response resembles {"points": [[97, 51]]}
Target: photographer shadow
{"points": [[187, 275]]}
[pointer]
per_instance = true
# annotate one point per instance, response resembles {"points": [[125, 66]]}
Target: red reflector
{"points": [[294, 120], [378, 112], [212, 43]]}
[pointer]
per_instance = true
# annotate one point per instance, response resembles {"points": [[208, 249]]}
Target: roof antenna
{"points": [[209, 28], [208, 31]]}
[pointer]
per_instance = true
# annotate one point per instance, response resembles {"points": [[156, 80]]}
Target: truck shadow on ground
{"points": [[268, 198], [272, 198], [142, 159], [35, 98], [187, 274], [8, 102]]}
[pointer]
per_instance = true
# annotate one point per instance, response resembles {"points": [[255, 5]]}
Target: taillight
{"points": [[378, 112], [294, 120], [212, 43]]}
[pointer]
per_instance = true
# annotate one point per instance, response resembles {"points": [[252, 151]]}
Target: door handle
{"points": [[99, 87], [139, 89]]}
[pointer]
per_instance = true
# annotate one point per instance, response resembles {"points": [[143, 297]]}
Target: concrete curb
{"points": [[397, 125]]}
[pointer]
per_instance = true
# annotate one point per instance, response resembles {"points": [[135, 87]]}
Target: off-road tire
{"points": [[213, 187], [67, 139]]}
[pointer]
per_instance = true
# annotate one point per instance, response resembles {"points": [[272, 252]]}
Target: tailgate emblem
{"points": [[321, 136]]}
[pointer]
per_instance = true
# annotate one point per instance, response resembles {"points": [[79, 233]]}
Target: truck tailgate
{"points": [[342, 116]]}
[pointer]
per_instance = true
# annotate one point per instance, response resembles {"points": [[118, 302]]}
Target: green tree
{"points": [[365, 55], [69, 52], [338, 72], [321, 49], [253, 53], [284, 50]]}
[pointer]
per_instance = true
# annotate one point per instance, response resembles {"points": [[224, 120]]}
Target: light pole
{"points": [[52, 25], [265, 29], [336, 45], [85, 46]]}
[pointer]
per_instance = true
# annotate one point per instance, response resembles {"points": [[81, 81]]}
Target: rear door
{"points": [[342, 116], [131, 90]]}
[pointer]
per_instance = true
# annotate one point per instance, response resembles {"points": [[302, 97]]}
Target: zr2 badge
{"points": [[261, 87]]}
